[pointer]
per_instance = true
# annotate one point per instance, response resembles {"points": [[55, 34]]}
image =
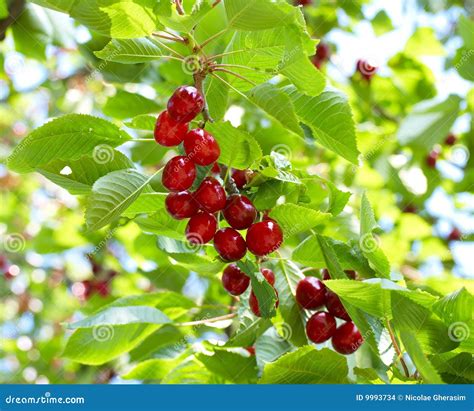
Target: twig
{"points": [[236, 75], [207, 320], [213, 37], [179, 7], [198, 82], [169, 37], [15, 10], [216, 3], [168, 48], [397, 349]]}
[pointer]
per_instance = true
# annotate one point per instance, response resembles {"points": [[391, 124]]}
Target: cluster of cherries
{"points": [[210, 198], [99, 285], [312, 294], [433, 155]]}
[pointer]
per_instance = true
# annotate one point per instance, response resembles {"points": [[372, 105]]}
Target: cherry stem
{"points": [[179, 7], [219, 65], [207, 320], [216, 3], [143, 139], [168, 48], [170, 37], [227, 53], [236, 75], [213, 37], [305, 270], [397, 349], [198, 82]]}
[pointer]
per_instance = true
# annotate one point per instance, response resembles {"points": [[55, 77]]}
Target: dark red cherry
{"points": [[455, 235], [210, 195], [240, 178], [450, 140], [216, 169], [169, 132], [335, 307], [326, 275], [432, 159], [201, 147], [102, 288], [302, 2], [264, 237], [347, 338], [310, 293], [201, 228], [181, 205], [251, 350], [253, 303], [323, 51], [239, 212], [410, 208], [269, 275], [229, 244], [185, 104], [234, 280], [320, 327], [179, 174]]}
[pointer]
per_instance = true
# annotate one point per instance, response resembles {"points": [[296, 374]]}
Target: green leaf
{"points": [[142, 122], [154, 369], [423, 42], [287, 277], [369, 243], [200, 264], [429, 122], [294, 219], [463, 62], [186, 23], [123, 316], [250, 328], [465, 29], [259, 14], [269, 347], [126, 105], [238, 148], [307, 366], [457, 306], [3, 9], [277, 104], [160, 223], [65, 138], [231, 366], [78, 176], [264, 292], [111, 195], [330, 119], [146, 203], [381, 23], [217, 96], [190, 371], [132, 51]]}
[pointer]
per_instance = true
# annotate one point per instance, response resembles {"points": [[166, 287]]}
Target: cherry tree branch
{"points": [[198, 82], [15, 10], [397, 349], [207, 320], [179, 7]]}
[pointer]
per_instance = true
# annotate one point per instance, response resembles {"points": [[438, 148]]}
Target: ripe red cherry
{"points": [[310, 293], [320, 327], [264, 237], [450, 140], [347, 338], [240, 178], [201, 228], [169, 132], [185, 104], [179, 174], [253, 302], [102, 288], [234, 280], [210, 195], [201, 147], [302, 2], [229, 244], [335, 307], [410, 208], [216, 169], [432, 158], [239, 212], [251, 350], [455, 235], [269, 275], [181, 205]]}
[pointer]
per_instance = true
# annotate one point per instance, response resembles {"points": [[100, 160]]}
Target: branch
{"points": [[179, 7], [207, 320], [397, 349], [198, 82], [15, 10]]}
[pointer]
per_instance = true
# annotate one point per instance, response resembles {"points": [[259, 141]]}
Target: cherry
{"points": [[320, 327], [269, 275], [229, 244], [251, 350], [210, 195], [253, 303], [410, 208], [102, 287], [201, 228], [179, 174], [310, 293], [322, 54], [365, 69], [347, 338], [455, 235], [216, 169], [450, 140], [264, 237], [432, 158], [169, 132], [240, 178], [201, 147], [185, 104], [302, 2], [234, 280], [335, 307], [181, 205], [239, 212]]}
